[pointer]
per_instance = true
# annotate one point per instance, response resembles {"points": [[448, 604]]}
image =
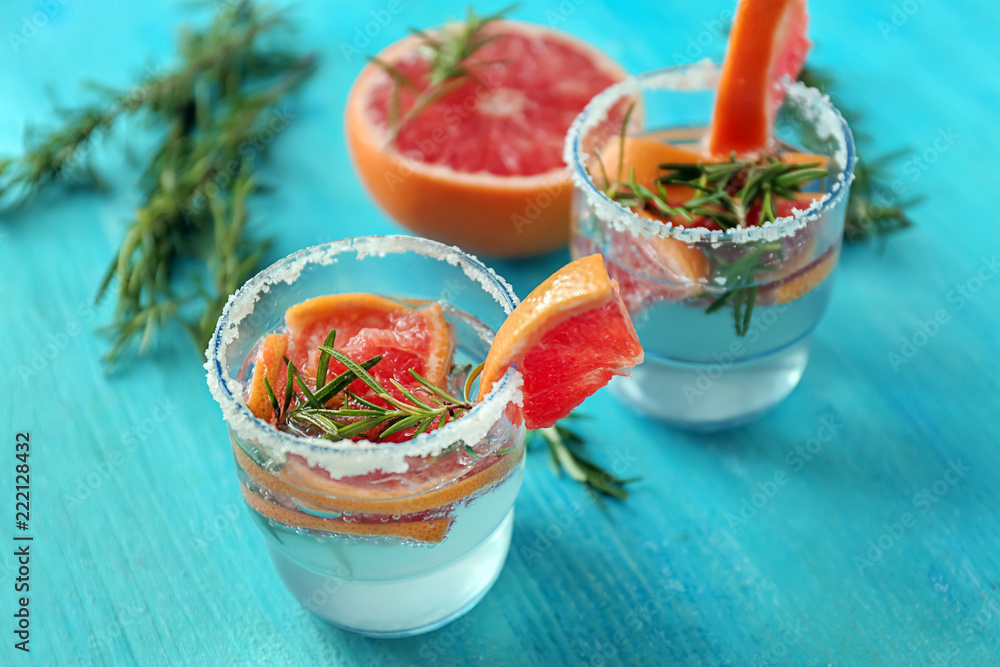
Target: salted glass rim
{"points": [[229, 392], [699, 77]]}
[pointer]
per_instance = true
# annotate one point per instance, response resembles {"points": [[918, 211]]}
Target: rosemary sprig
{"points": [[724, 191], [309, 410], [740, 278], [866, 217], [449, 51], [329, 409], [870, 211], [215, 107], [564, 445], [727, 191]]}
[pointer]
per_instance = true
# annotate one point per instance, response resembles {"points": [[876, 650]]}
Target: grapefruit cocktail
{"points": [[717, 197], [377, 393]]}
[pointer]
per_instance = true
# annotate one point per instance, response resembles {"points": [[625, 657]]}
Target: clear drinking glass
{"points": [[388, 539], [712, 370]]}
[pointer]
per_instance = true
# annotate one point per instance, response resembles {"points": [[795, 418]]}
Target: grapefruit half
{"points": [[480, 167]]}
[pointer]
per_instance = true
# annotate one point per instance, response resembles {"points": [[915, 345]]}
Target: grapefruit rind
{"points": [[431, 530], [267, 365], [798, 287], [298, 480]]}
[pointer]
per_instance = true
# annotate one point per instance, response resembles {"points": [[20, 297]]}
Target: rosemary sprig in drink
{"points": [[725, 192], [740, 276], [448, 52], [329, 409]]}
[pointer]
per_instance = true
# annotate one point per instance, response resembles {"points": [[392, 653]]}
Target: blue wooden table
{"points": [[855, 525]]}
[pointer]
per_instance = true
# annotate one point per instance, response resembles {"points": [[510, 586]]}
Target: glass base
{"points": [[402, 607], [716, 396]]}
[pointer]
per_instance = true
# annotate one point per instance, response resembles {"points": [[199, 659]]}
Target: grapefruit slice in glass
{"points": [[367, 325]]}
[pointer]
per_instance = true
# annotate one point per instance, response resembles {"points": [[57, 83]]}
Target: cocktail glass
{"points": [[715, 369], [389, 539]]}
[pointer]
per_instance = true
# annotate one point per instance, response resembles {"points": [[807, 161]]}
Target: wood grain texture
{"points": [[144, 554]]}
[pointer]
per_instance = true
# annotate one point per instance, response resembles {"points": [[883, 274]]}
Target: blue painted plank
{"points": [[145, 556]]}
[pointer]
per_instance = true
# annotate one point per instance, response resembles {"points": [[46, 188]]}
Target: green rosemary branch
{"points": [[217, 110], [564, 445], [327, 408], [448, 52], [725, 191], [309, 410], [740, 278], [871, 212]]}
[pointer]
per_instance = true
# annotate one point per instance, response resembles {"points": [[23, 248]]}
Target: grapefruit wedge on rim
{"points": [[568, 338], [481, 166], [767, 43]]}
